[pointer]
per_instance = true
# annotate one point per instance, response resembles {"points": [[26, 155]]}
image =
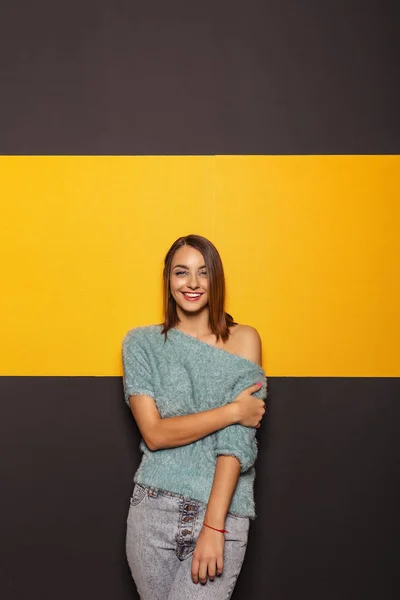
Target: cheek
{"points": [[175, 290], [175, 285]]}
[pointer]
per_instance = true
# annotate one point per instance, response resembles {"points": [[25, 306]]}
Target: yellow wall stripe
{"points": [[310, 246]]}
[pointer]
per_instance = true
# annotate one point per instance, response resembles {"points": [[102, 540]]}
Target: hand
{"points": [[208, 556], [251, 409]]}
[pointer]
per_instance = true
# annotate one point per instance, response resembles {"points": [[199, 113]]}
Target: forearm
{"points": [[179, 431], [226, 476]]}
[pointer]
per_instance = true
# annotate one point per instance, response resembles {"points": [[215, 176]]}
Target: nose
{"points": [[193, 283]]}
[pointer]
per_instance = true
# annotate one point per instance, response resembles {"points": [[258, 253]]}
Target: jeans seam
{"points": [[231, 589]]}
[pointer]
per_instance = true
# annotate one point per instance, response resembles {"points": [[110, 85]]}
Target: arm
{"points": [[208, 557], [171, 432], [236, 440]]}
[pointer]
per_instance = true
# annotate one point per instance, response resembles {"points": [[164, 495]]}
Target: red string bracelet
{"points": [[215, 529]]}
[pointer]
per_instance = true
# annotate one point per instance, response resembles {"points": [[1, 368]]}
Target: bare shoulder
{"points": [[246, 341]]}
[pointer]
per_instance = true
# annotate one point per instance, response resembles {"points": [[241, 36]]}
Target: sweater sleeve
{"points": [[137, 377], [238, 440]]}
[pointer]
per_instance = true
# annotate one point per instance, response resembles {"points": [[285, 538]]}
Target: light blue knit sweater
{"points": [[185, 375]]}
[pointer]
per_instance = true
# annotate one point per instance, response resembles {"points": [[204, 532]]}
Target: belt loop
{"points": [[153, 492]]}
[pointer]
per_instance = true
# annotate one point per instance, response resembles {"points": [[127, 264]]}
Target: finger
{"points": [[212, 568], [203, 572], [195, 570], [255, 387], [220, 565]]}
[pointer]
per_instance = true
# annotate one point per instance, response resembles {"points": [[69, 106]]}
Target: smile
{"points": [[191, 296]]}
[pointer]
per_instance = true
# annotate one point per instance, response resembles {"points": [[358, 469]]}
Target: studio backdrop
{"points": [[271, 128]]}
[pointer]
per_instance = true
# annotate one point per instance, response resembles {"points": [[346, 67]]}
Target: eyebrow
{"points": [[186, 267]]}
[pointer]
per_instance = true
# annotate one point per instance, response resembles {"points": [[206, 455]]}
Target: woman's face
{"points": [[188, 279]]}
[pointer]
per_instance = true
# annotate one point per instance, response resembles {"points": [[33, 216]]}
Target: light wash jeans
{"points": [[162, 530]]}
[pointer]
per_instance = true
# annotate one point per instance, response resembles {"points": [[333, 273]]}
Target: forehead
{"points": [[187, 256]]}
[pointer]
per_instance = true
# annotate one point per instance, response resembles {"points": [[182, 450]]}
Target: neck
{"points": [[194, 324]]}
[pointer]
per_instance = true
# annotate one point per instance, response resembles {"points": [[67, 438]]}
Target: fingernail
{"points": [[259, 383]]}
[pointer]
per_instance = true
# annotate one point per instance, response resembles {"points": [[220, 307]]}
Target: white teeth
{"points": [[191, 295]]}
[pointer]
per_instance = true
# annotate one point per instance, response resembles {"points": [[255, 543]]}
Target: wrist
{"points": [[215, 519], [216, 529], [234, 412]]}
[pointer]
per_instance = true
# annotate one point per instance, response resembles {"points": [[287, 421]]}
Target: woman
{"points": [[191, 385]]}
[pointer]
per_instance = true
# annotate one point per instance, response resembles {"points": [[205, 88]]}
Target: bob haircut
{"points": [[220, 321]]}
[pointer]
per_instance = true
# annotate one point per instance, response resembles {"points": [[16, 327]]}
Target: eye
{"points": [[203, 273], [180, 273]]}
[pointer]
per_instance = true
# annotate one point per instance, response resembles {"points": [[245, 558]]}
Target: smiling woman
{"points": [[195, 387], [193, 272]]}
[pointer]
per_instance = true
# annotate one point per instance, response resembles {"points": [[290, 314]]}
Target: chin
{"points": [[190, 308]]}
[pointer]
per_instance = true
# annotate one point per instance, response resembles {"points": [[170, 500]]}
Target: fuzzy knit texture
{"points": [[185, 375]]}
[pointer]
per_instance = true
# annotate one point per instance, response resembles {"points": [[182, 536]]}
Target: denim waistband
{"points": [[155, 492]]}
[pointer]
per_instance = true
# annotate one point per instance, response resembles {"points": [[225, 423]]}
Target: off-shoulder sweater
{"points": [[185, 375]]}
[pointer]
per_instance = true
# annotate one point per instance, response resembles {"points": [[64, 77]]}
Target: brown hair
{"points": [[220, 321]]}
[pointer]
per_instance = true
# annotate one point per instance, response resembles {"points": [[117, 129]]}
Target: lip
{"points": [[194, 299]]}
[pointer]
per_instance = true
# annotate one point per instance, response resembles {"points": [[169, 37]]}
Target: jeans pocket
{"points": [[138, 495]]}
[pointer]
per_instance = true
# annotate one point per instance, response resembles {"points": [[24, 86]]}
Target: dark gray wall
{"points": [[254, 77]]}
